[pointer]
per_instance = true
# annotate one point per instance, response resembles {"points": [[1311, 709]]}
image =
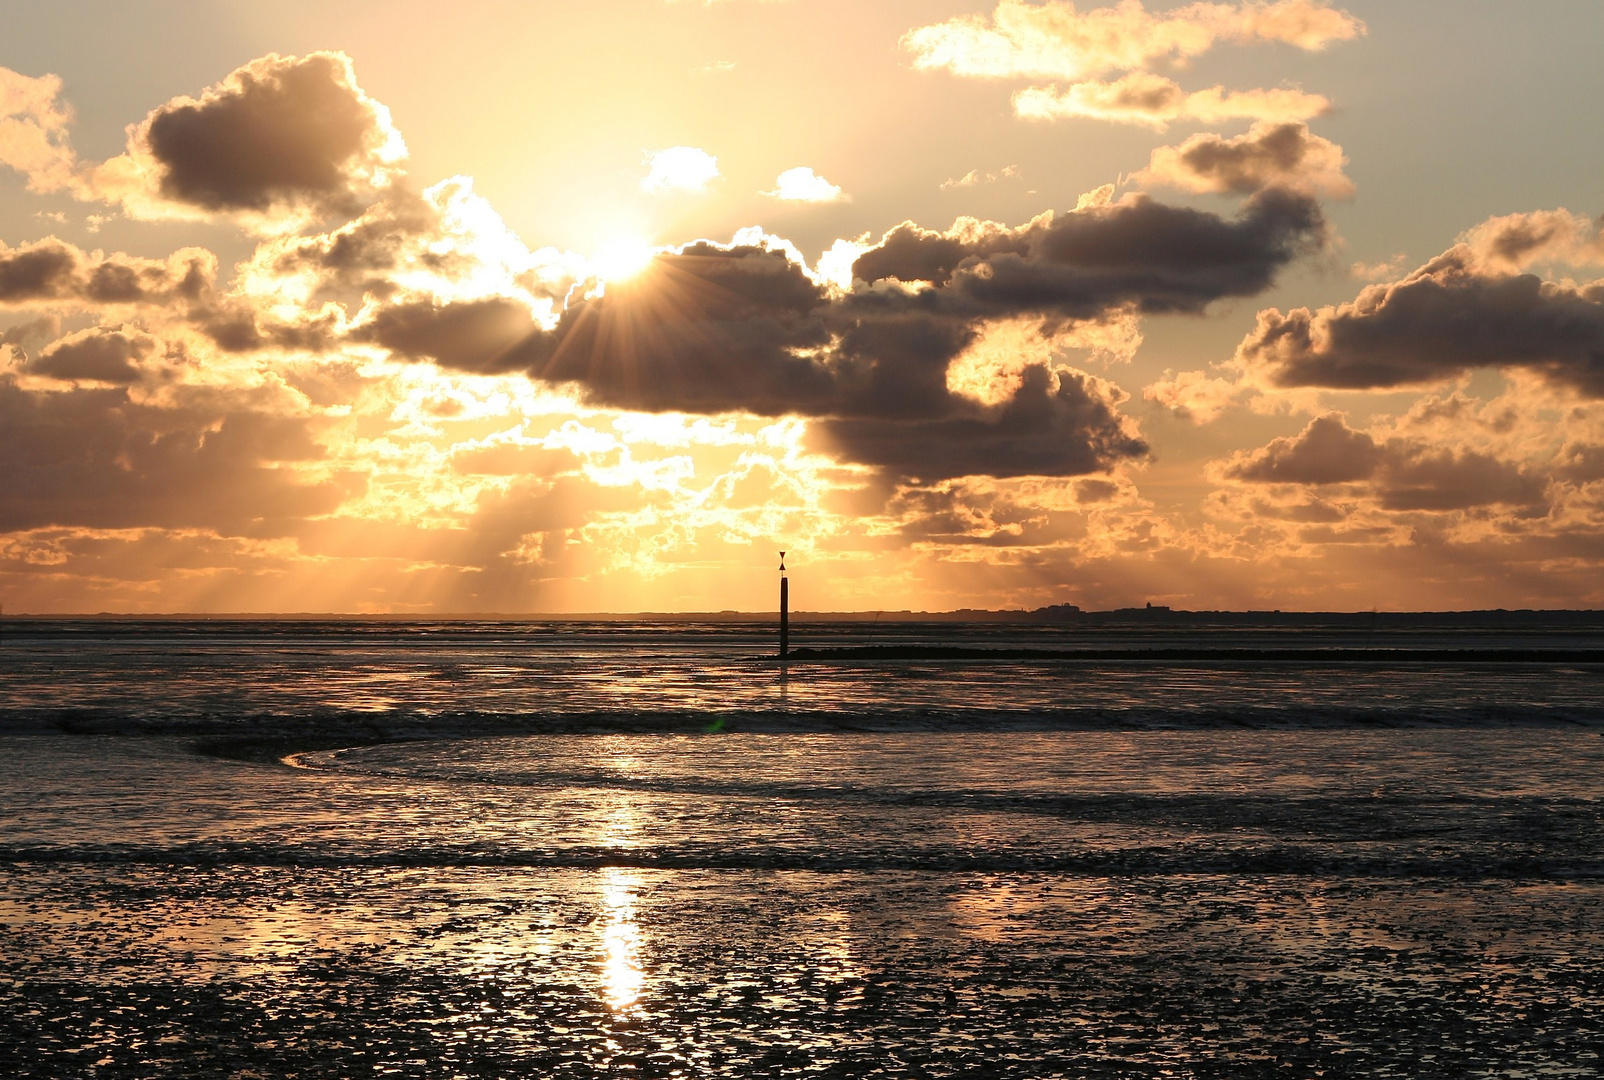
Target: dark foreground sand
{"points": [[605, 906]]}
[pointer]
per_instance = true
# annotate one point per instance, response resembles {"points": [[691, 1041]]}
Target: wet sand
{"points": [[839, 906]]}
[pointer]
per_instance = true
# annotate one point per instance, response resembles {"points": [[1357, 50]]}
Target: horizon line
{"points": [[1069, 610]]}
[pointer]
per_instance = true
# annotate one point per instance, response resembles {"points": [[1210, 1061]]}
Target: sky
{"points": [[549, 307]]}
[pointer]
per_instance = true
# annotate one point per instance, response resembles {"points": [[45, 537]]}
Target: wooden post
{"points": [[785, 611]]}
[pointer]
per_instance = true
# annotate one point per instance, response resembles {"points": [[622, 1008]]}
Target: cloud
{"points": [[1514, 242], [1193, 395], [99, 458], [282, 136], [1155, 101], [280, 142], [679, 168], [712, 329], [1381, 270], [705, 328], [1402, 475], [1054, 40], [483, 336], [707, 299], [804, 185], [1138, 252], [32, 333], [406, 405], [745, 327], [975, 176], [33, 130], [446, 241], [53, 272], [1446, 318], [1325, 452], [1286, 155], [98, 355], [1055, 424]]}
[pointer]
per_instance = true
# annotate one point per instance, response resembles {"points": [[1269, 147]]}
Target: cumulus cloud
{"points": [[1155, 101], [869, 354], [1055, 423], [1325, 452], [34, 130], [53, 272], [98, 355], [1138, 252], [409, 392], [444, 242], [1054, 40], [284, 136], [280, 142], [746, 327], [679, 168], [1514, 242], [1400, 474], [711, 329], [1448, 317], [802, 184], [1286, 154], [1193, 395]]}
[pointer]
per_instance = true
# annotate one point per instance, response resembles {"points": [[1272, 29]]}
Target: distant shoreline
{"points": [[1060, 615]]}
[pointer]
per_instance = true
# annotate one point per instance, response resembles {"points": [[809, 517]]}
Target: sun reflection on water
{"points": [[623, 978]]}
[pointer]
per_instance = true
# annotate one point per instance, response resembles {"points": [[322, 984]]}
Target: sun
{"points": [[622, 258]]}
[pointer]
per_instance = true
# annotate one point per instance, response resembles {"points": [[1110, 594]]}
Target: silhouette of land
{"points": [[1057, 615]]}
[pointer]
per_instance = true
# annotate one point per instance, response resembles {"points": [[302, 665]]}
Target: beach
{"points": [[523, 870]]}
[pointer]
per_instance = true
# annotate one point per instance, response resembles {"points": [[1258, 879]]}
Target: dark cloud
{"points": [[280, 132], [1137, 253], [1417, 478], [1401, 474], [1065, 430], [402, 230], [912, 253], [718, 329], [32, 334], [481, 336], [236, 325], [1581, 463], [95, 458], [1443, 320], [1088, 492], [52, 271], [100, 355], [709, 329], [742, 328], [1325, 452]]}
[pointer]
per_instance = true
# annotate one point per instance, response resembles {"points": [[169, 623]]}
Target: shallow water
{"points": [[979, 882], [463, 677]]}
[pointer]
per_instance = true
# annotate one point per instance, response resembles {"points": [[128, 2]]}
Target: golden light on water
{"points": [[623, 978]]}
